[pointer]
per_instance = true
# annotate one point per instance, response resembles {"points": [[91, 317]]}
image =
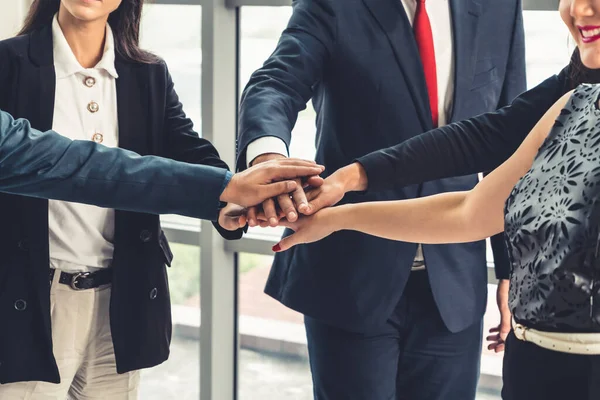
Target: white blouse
{"points": [[85, 108]]}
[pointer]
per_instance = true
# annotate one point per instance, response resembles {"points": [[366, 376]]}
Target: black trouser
{"points": [[412, 357], [531, 372]]}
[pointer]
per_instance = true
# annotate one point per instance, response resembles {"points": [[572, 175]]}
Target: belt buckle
{"points": [[77, 276]]}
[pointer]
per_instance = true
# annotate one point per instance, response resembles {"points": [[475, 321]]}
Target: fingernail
{"points": [[273, 221], [277, 247], [292, 215], [291, 185], [302, 207]]}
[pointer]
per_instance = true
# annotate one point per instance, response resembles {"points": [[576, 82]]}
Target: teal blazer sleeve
{"points": [[48, 165]]}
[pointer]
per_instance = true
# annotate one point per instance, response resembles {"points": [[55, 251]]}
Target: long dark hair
{"points": [[124, 22], [579, 73]]}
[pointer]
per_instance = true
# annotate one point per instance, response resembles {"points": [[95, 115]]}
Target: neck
{"points": [[86, 38]]}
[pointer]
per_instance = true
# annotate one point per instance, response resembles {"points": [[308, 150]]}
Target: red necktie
{"points": [[424, 38]]}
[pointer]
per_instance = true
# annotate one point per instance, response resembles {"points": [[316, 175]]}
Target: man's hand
{"points": [[348, 179], [232, 217], [268, 179], [501, 331], [289, 205]]}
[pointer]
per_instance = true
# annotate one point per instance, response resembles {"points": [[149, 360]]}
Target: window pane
{"points": [[273, 359], [548, 45], [173, 32], [179, 376]]}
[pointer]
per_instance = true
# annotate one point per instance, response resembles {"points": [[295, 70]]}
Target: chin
{"points": [[85, 10], [85, 14]]}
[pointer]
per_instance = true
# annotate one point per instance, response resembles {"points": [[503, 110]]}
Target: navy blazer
{"points": [[358, 61], [151, 122]]}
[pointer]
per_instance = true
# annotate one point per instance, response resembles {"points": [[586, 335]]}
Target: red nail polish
{"points": [[277, 247]]}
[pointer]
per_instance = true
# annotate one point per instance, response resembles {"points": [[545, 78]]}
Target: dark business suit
{"points": [[359, 62], [151, 122]]}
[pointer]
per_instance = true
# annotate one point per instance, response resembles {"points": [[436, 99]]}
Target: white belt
{"points": [[574, 343]]}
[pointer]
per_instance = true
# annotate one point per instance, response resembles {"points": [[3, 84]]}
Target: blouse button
{"points": [[93, 107], [98, 137], [89, 81]]}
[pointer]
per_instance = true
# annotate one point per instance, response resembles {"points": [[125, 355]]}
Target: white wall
{"points": [[12, 13]]}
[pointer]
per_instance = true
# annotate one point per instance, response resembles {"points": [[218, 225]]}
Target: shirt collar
{"points": [[65, 62]]}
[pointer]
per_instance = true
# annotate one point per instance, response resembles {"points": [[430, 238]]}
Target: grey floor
{"points": [[262, 376]]}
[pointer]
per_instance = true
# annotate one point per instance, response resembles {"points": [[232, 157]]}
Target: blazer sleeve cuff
{"points": [[374, 164]]}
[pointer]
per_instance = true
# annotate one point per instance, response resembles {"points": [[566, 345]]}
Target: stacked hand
{"points": [[310, 196], [270, 179]]}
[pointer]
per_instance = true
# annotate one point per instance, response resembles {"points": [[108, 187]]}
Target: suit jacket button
{"points": [[153, 293], [20, 305], [23, 245], [145, 236]]}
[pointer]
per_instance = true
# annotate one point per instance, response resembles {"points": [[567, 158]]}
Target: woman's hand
{"points": [[232, 217], [498, 334], [309, 229]]}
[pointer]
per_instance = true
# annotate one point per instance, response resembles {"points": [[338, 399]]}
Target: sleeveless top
{"points": [[551, 225]]}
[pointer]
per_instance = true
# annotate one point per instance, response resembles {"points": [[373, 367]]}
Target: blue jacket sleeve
{"points": [[48, 165]]}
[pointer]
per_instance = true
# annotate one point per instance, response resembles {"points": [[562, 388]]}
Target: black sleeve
{"points": [[184, 144], [477, 144]]}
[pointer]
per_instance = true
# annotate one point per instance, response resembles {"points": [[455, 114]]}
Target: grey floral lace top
{"points": [[551, 225]]}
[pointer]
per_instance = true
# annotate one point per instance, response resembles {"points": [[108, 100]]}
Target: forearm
{"points": [[48, 165], [442, 218]]}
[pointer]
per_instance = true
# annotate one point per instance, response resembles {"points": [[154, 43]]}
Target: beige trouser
{"points": [[83, 349]]}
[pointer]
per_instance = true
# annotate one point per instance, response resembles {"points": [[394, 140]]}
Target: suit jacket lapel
{"points": [[133, 112], [39, 82], [132, 106], [465, 19], [393, 20], [36, 103]]}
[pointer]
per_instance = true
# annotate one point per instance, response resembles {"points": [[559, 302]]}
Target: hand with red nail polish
{"points": [[310, 229]]}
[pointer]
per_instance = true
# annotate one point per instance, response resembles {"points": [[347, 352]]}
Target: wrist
{"points": [[227, 193], [337, 218], [266, 157], [353, 178]]}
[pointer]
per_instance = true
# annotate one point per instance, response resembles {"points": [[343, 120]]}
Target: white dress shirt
{"points": [[85, 108], [441, 27]]}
